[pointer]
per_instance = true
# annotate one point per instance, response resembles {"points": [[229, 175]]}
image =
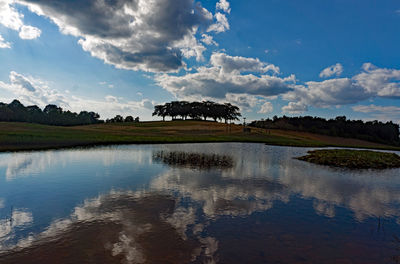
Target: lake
{"points": [[194, 203]]}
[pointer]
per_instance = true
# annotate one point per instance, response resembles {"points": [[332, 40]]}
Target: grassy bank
{"points": [[353, 159], [25, 136]]}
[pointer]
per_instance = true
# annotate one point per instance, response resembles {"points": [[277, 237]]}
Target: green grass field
{"points": [[25, 136], [353, 159]]}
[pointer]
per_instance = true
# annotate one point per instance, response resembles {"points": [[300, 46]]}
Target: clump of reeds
{"points": [[193, 160]]}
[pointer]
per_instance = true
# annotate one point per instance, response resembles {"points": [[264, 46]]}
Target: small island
{"points": [[353, 159]]}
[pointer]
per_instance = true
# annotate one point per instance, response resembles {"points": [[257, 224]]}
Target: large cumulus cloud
{"points": [[228, 75], [146, 35], [371, 82]]}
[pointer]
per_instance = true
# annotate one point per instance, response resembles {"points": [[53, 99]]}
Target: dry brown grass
{"points": [[328, 139], [24, 136]]}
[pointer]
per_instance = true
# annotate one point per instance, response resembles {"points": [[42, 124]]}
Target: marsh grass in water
{"points": [[353, 159], [193, 160]]}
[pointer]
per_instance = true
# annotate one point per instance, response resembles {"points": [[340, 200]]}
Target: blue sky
{"points": [[272, 57]]}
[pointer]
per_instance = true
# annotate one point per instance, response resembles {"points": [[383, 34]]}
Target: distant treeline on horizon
{"points": [[198, 110], [375, 131], [50, 115]]}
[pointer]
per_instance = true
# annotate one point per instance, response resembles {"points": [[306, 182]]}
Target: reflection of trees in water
{"points": [[121, 227], [396, 244], [193, 160]]}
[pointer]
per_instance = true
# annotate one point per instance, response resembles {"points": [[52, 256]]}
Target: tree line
{"points": [[197, 110], [50, 115], [375, 131], [121, 119]]}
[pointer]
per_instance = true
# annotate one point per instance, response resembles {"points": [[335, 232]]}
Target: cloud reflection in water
{"points": [[171, 216]]}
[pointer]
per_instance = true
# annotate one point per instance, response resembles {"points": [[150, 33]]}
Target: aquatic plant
{"points": [[193, 160]]}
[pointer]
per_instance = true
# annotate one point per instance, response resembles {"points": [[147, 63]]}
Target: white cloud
{"points": [[375, 108], [244, 101], [226, 75], [240, 64], [372, 82], [152, 36], [30, 90], [223, 5], [208, 40], [266, 108], [336, 69], [111, 99], [29, 32], [221, 25], [295, 108], [328, 93], [383, 113], [379, 81], [11, 18], [111, 106], [191, 47], [4, 44], [109, 85]]}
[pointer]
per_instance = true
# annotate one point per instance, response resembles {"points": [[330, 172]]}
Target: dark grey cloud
{"points": [[130, 34]]}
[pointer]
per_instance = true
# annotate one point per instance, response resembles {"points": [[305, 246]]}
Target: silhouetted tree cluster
{"points": [[120, 119], [376, 131], [197, 110], [51, 115]]}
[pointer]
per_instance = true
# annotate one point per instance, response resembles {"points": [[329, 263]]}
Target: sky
{"points": [[269, 57]]}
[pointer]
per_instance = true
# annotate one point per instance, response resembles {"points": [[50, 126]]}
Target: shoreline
{"points": [[106, 144]]}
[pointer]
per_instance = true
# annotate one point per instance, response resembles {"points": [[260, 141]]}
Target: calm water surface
{"points": [[194, 203]]}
